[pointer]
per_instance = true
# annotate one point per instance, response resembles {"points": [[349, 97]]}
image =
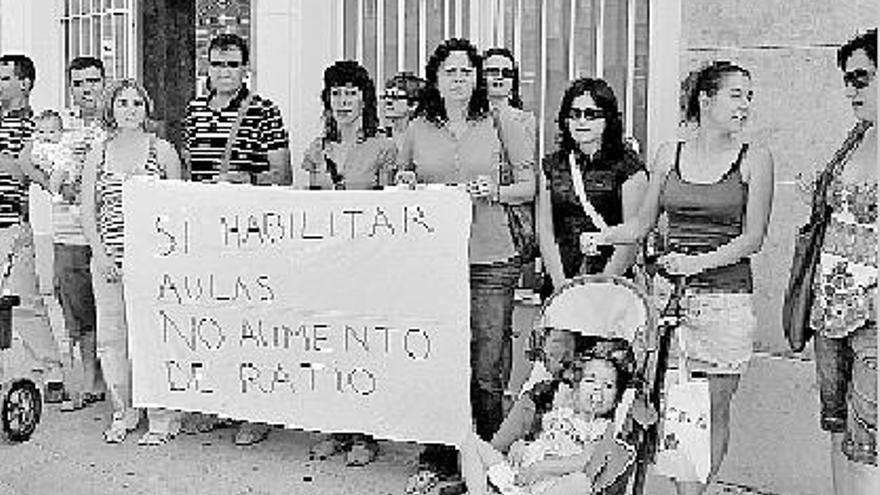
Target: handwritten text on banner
{"points": [[325, 310]]}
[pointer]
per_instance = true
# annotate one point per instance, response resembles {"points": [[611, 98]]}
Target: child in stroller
{"points": [[574, 413]]}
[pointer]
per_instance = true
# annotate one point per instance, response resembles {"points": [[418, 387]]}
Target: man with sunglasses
{"points": [[259, 153]]}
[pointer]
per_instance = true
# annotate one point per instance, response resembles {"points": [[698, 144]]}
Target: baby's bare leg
{"points": [[570, 484], [477, 456]]}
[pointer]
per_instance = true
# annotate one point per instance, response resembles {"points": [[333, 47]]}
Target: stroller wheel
{"points": [[20, 411]]}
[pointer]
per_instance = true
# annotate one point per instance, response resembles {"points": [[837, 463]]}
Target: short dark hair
{"points": [[515, 99], [431, 105], [228, 41], [602, 94], [409, 83], [342, 73], [23, 67], [80, 63], [866, 41], [706, 80]]}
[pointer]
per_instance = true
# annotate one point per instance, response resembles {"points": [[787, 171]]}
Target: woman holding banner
{"points": [[592, 166], [349, 155], [456, 140], [128, 151], [717, 191]]}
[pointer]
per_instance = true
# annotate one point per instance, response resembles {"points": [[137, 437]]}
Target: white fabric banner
{"points": [[321, 310]]}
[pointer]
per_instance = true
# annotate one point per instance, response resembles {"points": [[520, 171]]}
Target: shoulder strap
{"points": [[577, 180], [835, 165], [505, 173], [675, 165], [739, 157], [233, 133]]}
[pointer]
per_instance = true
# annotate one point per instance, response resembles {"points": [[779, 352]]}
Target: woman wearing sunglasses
{"points": [[593, 164], [502, 88], [399, 103], [844, 314]]}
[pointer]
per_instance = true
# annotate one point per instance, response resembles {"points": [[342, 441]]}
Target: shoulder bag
{"points": [[808, 241]]}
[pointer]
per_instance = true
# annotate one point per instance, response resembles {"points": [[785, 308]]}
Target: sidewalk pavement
{"points": [[776, 449]]}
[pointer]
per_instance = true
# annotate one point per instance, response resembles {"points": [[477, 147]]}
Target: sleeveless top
{"points": [[603, 185], [703, 217], [845, 283], [108, 199]]}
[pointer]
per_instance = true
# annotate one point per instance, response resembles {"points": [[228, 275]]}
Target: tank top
{"points": [[108, 196], [703, 217], [603, 184]]}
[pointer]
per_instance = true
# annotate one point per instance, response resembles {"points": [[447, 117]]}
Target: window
{"points": [[103, 29]]}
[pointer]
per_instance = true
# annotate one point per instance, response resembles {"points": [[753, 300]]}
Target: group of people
{"points": [[595, 202]]}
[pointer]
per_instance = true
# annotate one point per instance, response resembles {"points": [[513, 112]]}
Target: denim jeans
{"points": [[846, 369], [492, 287]]}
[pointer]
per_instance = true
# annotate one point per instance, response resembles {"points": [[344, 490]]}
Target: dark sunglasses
{"points": [[586, 113], [859, 78], [389, 95], [232, 64], [499, 72]]}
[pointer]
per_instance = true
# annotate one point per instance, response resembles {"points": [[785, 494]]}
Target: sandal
{"points": [[251, 433], [195, 423], [72, 402], [422, 483], [155, 438], [326, 448], [121, 424], [92, 397], [362, 453]]}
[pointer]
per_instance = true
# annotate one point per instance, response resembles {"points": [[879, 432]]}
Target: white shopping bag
{"points": [[685, 448]]}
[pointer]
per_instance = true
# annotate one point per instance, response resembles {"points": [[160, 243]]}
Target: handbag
{"points": [[808, 240], [685, 450], [521, 217]]}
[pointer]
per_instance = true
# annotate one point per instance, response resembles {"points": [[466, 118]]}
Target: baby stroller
{"points": [[599, 309], [20, 372]]}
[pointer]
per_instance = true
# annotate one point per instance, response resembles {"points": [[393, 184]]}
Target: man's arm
{"points": [[22, 167], [279, 172], [275, 138]]}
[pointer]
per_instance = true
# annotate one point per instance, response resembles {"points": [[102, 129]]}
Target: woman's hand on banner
{"points": [[405, 178]]}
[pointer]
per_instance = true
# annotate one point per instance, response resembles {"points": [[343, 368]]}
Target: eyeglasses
{"points": [[348, 91], [219, 64], [859, 78], [394, 95], [499, 72], [586, 113]]}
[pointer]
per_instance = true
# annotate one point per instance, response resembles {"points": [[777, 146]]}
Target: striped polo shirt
{"points": [[16, 128], [205, 132]]}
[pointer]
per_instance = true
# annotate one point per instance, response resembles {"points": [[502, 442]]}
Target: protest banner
{"points": [[321, 310]]}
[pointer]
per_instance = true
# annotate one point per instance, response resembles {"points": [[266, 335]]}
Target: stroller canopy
{"points": [[601, 306]]}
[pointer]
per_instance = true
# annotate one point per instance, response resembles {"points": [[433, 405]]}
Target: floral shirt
{"points": [[845, 284]]}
